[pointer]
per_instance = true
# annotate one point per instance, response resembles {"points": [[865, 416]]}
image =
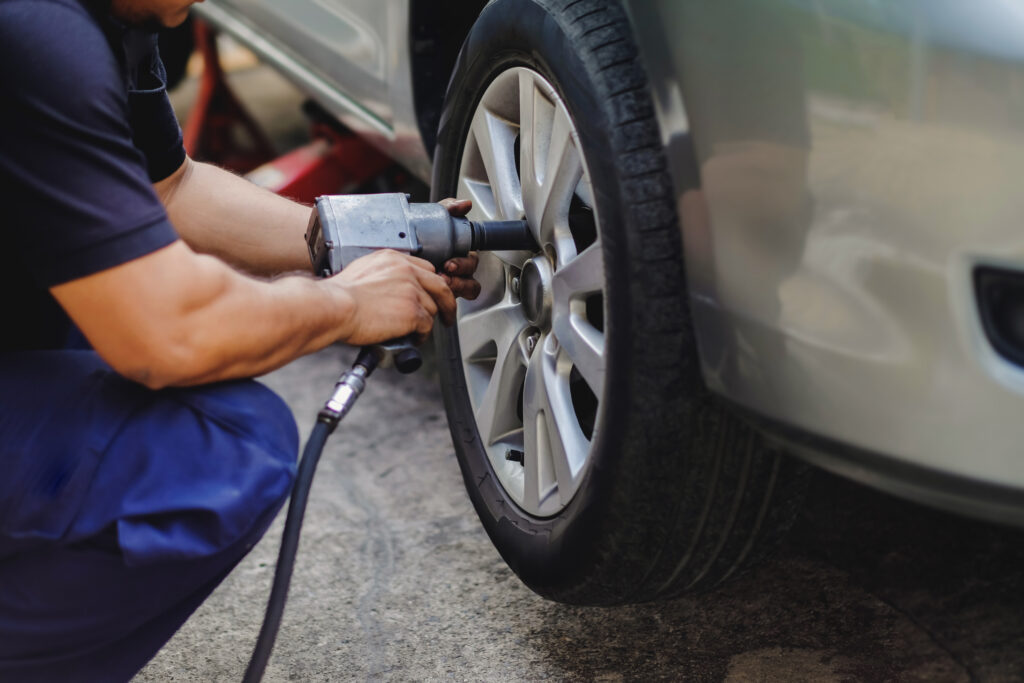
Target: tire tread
{"points": [[644, 182]]}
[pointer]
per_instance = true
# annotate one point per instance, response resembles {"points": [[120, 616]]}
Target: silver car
{"points": [[772, 226]]}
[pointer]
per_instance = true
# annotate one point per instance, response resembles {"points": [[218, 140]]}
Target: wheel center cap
{"points": [[535, 291]]}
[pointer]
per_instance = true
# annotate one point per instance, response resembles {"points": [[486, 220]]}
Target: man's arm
{"points": [[218, 213], [174, 317], [221, 214]]}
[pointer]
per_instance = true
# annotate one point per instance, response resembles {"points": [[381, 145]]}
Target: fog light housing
{"points": [[1000, 294]]}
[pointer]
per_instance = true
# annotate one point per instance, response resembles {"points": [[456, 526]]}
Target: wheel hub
{"points": [[535, 292]]}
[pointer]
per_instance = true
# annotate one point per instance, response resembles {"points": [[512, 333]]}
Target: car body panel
{"points": [[352, 56], [831, 277]]}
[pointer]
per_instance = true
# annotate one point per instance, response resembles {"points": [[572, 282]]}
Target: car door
{"points": [[344, 41]]}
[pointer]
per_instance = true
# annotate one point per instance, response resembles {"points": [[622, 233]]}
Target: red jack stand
{"points": [[334, 162], [209, 134]]}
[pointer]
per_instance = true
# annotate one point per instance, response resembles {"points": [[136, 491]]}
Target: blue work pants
{"points": [[122, 508]]}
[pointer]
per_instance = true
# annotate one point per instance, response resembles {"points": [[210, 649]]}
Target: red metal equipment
{"points": [[333, 162], [210, 132]]}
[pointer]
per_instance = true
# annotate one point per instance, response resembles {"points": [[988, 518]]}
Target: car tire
{"points": [[677, 492]]}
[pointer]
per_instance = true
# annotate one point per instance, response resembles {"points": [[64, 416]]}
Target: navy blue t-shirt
{"points": [[85, 128]]}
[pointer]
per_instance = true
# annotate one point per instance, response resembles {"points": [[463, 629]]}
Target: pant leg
{"points": [[157, 495]]}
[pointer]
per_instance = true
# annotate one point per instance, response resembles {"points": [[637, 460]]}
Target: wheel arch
{"points": [[667, 92], [436, 34]]}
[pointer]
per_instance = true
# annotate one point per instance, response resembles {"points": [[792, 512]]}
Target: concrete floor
{"points": [[397, 581]]}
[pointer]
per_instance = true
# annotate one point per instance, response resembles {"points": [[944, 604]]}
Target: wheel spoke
{"points": [[496, 416], [585, 191], [562, 175], [536, 115], [583, 274], [495, 334], [537, 441], [583, 342], [550, 423], [495, 138], [550, 162], [585, 346], [484, 206], [528, 133], [501, 324], [533, 438], [569, 446]]}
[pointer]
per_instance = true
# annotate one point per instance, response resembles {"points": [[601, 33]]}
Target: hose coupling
{"points": [[348, 388]]}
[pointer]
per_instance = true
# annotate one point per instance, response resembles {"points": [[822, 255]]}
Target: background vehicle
{"points": [[779, 224]]}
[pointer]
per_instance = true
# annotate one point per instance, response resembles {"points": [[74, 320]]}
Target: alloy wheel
{"points": [[533, 342]]}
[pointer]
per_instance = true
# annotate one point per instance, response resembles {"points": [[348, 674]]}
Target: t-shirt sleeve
{"points": [[80, 195], [155, 129]]}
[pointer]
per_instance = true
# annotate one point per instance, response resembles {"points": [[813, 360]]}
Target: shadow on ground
{"points": [[867, 587]]}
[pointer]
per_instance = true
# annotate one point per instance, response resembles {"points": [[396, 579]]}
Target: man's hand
{"points": [[458, 272], [390, 295]]}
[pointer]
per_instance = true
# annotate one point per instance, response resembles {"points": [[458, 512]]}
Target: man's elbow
{"points": [[167, 188], [146, 376], [159, 364]]}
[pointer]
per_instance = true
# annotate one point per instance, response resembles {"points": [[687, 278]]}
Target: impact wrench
{"points": [[341, 229]]}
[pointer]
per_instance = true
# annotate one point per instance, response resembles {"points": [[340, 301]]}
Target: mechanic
{"points": [[134, 476]]}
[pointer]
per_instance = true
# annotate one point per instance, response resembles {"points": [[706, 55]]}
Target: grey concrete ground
{"points": [[397, 581]]}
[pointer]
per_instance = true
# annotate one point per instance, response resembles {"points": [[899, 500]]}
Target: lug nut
{"points": [[531, 343], [515, 286]]}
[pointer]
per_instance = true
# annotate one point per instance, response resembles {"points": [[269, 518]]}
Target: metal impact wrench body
{"points": [[345, 227]]}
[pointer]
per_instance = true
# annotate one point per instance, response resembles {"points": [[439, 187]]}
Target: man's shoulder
{"points": [[35, 13], [32, 29], [55, 51]]}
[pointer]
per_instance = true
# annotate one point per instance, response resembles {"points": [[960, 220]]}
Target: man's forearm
{"points": [[174, 317], [231, 338], [215, 212], [190, 319]]}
